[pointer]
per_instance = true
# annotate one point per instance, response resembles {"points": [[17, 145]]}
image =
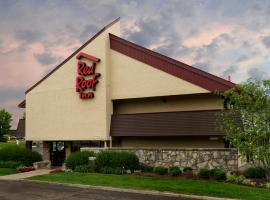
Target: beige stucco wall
{"points": [[131, 78], [169, 104], [54, 110], [171, 142]]}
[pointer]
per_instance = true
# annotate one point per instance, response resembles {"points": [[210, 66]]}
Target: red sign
{"points": [[87, 77]]}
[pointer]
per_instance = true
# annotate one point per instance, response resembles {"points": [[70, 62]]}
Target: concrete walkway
{"points": [[24, 175]]}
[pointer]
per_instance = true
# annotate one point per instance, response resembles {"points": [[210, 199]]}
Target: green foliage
{"points": [[161, 170], [3, 138], [117, 159], [112, 170], [236, 179], [218, 174], [5, 121], [18, 154], [187, 169], [10, 164], [146, 168], [247, 122], [85, 168], [240, 180], [175, 171], [204, 173], [254, 172], [78, 158]]}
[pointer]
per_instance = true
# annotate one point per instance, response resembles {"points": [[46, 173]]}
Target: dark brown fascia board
{"points": [[173, 67], [22, 104], [73, 54]]}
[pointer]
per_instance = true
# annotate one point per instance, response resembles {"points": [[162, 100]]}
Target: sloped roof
{"points": [[73, 54], [154, 59], [181, 70]]}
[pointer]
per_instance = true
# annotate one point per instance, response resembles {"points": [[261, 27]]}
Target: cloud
{"points": [[258, 74], [230, 70], [207, 34], [87, 31], [266, 41], [28, 36], [203, 66], [45, 58]]}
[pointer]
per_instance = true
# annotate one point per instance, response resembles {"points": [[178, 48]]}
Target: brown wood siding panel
{"points": [[20, 132], [166, 124], [169, 65]]}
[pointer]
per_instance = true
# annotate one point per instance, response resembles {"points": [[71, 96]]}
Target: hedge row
{"points": [[19, 155]]}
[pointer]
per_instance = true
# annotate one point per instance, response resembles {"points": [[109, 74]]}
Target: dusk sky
{"points": [[230, 37]]}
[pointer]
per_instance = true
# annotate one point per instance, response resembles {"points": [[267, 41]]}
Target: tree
{"points": [[5, 120], [247, 121]]}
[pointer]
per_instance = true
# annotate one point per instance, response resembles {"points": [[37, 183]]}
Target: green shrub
{"points": [[146, 168], [236, 179], [117, 159], [3, 139], [161, 170], [187, 169], [19, 154], [78, 158], [204, 173], [254, 172], [85, 168], [218, 174], [175, 171], [10, 164], [111, 170]]}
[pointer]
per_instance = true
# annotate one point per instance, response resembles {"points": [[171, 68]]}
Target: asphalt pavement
{"points": [[26, 190]]}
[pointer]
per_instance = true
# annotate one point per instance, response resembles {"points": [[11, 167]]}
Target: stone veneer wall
{"points": [[197, 158]]}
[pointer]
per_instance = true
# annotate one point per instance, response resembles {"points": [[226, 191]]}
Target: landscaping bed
{"points": [[177, 185]]}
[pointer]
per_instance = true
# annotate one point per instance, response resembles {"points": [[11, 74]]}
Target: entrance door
{"points": [[57, 153]]}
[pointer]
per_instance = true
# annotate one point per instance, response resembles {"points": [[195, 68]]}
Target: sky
{"points": [[225, 37]]}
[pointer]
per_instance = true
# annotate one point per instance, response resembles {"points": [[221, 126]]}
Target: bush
{"points": [[161, 170], [236, 179], [218, 174], [204, 173], [187, 169], [146, 168], [19, 154], [111, 170], [254, 172], [85, 168], [117, 160], [3, 139], [78, 158], [10, 164], [175, 171]]}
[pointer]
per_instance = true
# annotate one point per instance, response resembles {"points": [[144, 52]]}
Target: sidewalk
{"points": [[24, 175]]}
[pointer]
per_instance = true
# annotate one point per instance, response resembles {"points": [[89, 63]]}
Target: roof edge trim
{"points": [[157, 60], [73, 54]]}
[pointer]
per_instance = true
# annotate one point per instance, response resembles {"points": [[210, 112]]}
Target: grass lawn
{"points": [[7, 171], [11, 143], [197, 187]]}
